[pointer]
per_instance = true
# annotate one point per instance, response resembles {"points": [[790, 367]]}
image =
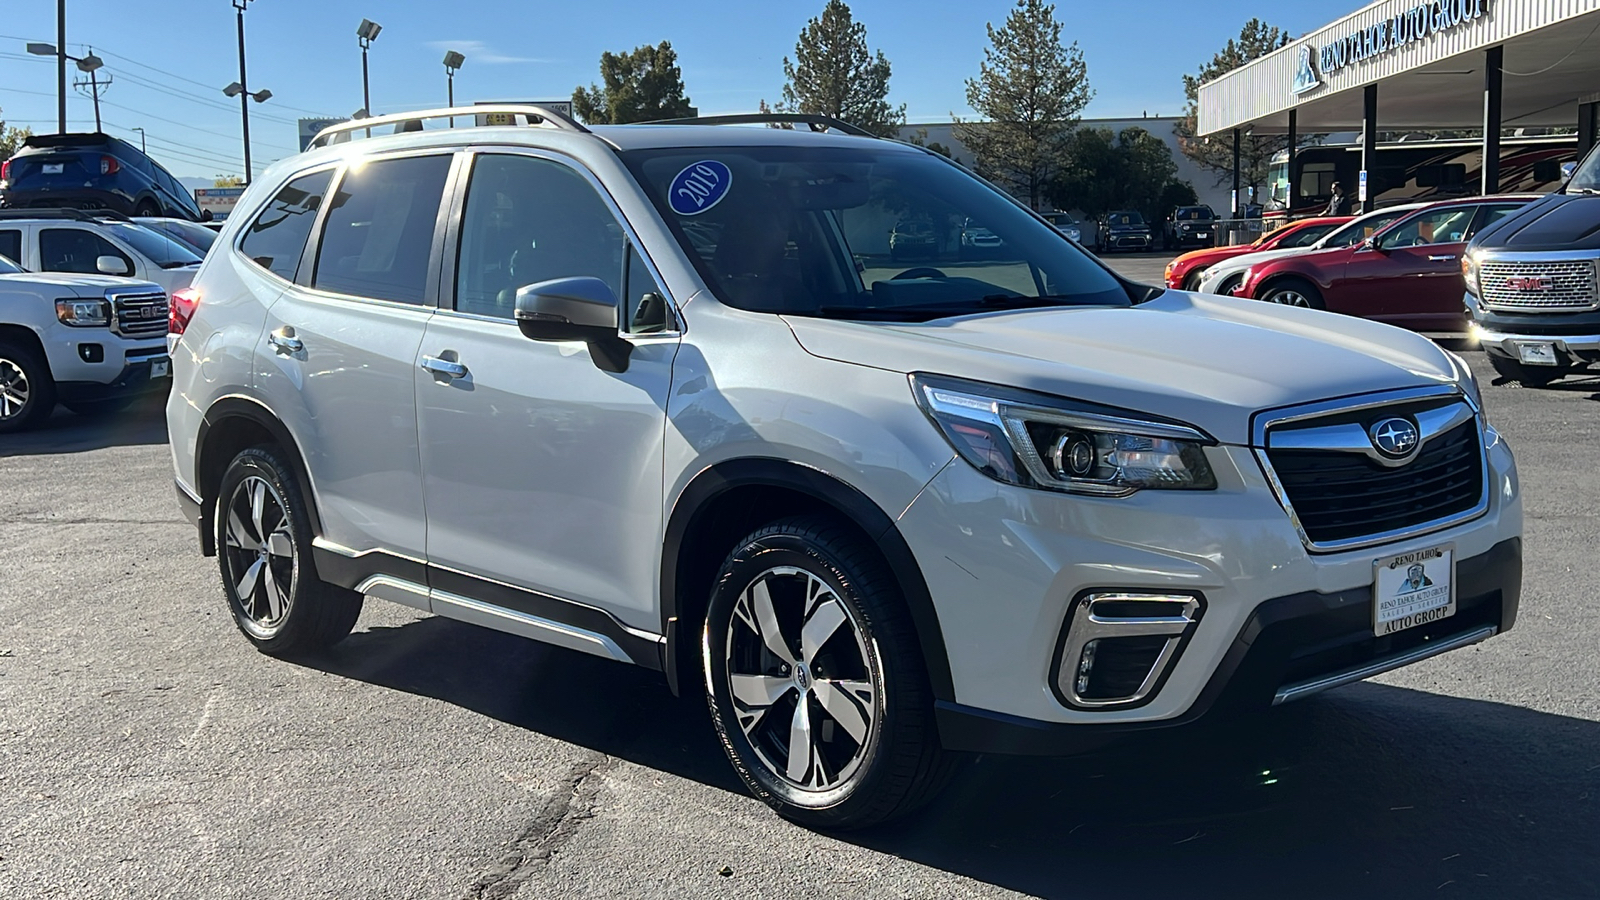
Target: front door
{"points": [[542, 471], [1412, 278]]}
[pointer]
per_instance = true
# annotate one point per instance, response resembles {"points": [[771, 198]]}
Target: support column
{"points": [[1369, 146], [1492, 59], [1587, 122], [1235, 173], [1294, 142]]}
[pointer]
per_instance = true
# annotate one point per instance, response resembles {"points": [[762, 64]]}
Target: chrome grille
{"points": [[1538, 285], [139, 315]]}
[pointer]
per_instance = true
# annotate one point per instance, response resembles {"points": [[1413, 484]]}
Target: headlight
{"points": [[1469, 274], [83, 313], [1037, 441]]}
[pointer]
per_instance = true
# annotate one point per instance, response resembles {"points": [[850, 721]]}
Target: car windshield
{"points": [[1586, 179], [874, 232], [1190, 213], [158, 248], [193, 235], [1124, 218], [1306, 236], [1358, 230], [7, 267]]}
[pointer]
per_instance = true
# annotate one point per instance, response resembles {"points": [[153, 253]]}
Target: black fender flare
{"points": [[236, 406], [722, 477]]}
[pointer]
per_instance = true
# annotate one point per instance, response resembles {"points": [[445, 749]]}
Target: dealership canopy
{"points": [[1401, 65]]}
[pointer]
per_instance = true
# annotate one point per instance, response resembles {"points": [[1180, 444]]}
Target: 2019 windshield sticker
{"points": [[699, 187]]}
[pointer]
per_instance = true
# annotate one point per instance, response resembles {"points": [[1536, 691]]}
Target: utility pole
{"points": [[94, 84], [141, 140]]}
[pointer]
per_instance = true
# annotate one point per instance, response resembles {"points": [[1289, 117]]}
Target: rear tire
{"points": [[1293, 292], [263, 538], [1514, 372], [832, 722], [27, 392]]}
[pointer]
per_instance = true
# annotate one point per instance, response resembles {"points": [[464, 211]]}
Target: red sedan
{"points": [[1408, 274], [1184, 272]]}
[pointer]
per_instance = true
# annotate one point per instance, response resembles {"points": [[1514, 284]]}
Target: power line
{"points": [[194, 82]]}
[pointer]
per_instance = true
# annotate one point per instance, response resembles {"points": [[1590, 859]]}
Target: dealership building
{"points": [[1499, 68]]}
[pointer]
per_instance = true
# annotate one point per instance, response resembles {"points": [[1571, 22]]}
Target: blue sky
{"points": [[169, 59]]}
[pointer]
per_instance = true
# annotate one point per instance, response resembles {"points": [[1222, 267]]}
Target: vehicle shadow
{"points": [[66, 432], [1370, 791]]}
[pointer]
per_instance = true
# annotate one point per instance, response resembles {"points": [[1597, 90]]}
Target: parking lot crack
{"points": [[555, 822]]}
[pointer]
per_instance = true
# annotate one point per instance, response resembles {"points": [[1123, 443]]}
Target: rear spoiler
{"points": [[71, 139]]}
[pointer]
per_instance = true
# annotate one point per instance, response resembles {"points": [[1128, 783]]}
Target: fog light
{"points": [[1086, 666], [1119, 645], [92, 353]]}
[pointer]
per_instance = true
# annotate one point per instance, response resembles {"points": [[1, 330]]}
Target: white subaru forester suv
{"points": [[658, 393]]}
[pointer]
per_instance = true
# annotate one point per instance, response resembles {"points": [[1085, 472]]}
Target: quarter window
{"points": [[380, 227], [277, 238], [75, 250], [530, 220]]}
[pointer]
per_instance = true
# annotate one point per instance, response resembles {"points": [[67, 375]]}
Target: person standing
{"points": [[1338, 204]]}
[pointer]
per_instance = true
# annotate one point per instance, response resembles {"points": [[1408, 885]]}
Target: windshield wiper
{"points": [[939, 310], [1591, 192]]}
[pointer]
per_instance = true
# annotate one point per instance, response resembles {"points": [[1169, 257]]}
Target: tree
{"points": [[834, 74], [1215, 153], [1129, 170], [1176, 194], [226, 181], [640, 86], [11, 139], [1031, 89], [920, 138]]}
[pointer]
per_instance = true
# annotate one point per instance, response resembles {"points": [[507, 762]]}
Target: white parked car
{"points": [[91, 342], [95, 243], [659, 393], [1228, 274]]}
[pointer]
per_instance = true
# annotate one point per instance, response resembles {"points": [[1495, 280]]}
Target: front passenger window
{"points": [[75, 250], [530, 220]]}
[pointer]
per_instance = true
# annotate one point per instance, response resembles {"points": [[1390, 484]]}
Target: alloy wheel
{"points": [[1291, 297], [261, 555], [806, 692], [14, 388]]}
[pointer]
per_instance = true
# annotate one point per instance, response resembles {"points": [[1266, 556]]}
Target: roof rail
{"points": [[63, 212], [532, 115], [817, 123]]}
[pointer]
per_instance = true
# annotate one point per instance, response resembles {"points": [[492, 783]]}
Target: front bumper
{"points": [[134, 378], [1003, 564], [1129, 242], [1575, 335], [1289, 647]]}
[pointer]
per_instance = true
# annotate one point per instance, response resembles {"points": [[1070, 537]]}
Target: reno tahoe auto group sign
{"points": [[1406, 27]]}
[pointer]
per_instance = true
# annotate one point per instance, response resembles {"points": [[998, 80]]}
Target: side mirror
{"points": [[574, 309], [205, 215], [112, 265]]}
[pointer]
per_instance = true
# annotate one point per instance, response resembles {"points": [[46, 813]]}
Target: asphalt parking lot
{"points": [[147, 751]]}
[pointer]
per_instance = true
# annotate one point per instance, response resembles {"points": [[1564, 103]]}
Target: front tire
{"points": [[27, 392], [815, 680], [1293, 292], [1514, 372], [263, 536]]}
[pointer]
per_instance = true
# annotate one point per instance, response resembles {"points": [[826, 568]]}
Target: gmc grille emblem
{"points": [[1531, 283]]}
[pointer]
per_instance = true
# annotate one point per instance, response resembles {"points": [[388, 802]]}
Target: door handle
{"points": [[284, 342], [1447, 257], [443, 367]]}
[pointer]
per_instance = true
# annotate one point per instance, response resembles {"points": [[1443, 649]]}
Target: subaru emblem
{"points": [[1395, 438]]}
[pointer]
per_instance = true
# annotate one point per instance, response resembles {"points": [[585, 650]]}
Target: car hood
{"points": [[1554, 222], [95, 284], [1206, 360]]}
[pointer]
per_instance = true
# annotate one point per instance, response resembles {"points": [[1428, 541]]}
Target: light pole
{"points": [[61, 65], [366, 33], [452, 62], [141, 140], [238, 90], [244, 91], [89, 64]]}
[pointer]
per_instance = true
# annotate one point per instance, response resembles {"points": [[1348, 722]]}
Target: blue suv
{"points": [[92, 171]]}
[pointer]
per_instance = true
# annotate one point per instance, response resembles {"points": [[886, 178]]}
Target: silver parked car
{"points": [[661, 393]]}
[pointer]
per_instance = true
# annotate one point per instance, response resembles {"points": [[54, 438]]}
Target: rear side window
{"points": [[277, 238], [380, 228], [11, 245], [75, 250]]}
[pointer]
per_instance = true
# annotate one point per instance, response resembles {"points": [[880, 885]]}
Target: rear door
{"points": [[337, 350], [1412, 278]]}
